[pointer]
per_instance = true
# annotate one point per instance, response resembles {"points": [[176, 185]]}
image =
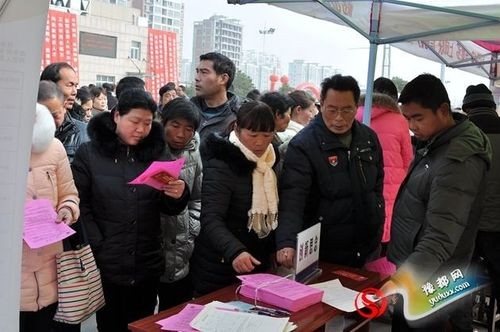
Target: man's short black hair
{"points": [[180, 108], [129, 82], [253, 94], [222, 65], [340, 83], [53, 71], [135, 98], [425, 90]]}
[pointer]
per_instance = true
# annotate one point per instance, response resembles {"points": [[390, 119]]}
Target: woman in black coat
{"points": [[123, 220], [239, 201]]}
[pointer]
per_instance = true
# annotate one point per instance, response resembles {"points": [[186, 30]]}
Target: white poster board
{"points": [[22, 31], [307, 253]]}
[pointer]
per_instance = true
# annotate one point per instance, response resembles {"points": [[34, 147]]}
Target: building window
{"points": [[101, 79], [135, 50]]}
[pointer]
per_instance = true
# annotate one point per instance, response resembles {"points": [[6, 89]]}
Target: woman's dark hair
{"points": [[83, 95], [300, 98], [279, 103], [180, 108], [255, 116], [129, 82], [135, 98], [97, 91], [253, 94], [387, 87]]}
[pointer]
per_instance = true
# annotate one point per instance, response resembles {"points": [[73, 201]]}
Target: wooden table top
{"points": [[308, 319]]}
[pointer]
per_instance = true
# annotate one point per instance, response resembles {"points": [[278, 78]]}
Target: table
{"points": [[308, 319]]}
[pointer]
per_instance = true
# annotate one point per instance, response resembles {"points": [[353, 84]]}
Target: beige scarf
{"points": [[263, 216]]}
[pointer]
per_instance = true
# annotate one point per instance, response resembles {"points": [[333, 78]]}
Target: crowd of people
{"points": [[418, 186]]}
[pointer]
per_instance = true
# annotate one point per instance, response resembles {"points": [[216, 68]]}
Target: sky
{"points": [[301, 37]]}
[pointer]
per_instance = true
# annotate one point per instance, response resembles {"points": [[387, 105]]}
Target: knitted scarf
{"points": [[263, 215]]}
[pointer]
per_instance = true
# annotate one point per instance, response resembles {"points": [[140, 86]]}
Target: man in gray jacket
{"points": [[436, 213]]}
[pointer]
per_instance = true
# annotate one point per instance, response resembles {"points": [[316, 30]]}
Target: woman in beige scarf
{"points": [[239, 201]]}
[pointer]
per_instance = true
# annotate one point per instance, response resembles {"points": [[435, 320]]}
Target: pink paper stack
{"points": [[278, 291]]}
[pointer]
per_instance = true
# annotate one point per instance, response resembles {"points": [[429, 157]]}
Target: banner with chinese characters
{"points": [[162, 60], [61, 41]]}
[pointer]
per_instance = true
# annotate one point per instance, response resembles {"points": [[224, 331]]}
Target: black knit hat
{"points": [[478, 96]]}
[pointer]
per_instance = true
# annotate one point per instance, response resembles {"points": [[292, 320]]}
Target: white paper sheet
{"points": [[338, 296], [211, 319]]}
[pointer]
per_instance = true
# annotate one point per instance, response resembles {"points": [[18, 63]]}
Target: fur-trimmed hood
{"points": [[43, 129], [381, 104], [102, 133], [217, 147]]}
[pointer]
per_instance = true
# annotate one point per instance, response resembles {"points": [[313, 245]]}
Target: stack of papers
{"points": [[221, 317], [340, 297], [159, 173], [279, 291]]}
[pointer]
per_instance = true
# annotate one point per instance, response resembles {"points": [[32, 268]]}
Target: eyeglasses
{"points": [[343, 111]]}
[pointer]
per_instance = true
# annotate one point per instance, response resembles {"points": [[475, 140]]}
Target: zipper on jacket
{"points": [[349, 155], [37, 291], [51, 183], [361, 169]]}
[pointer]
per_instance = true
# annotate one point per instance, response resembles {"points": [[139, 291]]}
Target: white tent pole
{"points": [[369, 83]]}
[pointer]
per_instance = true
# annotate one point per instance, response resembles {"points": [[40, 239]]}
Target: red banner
{"points": [[162, 60], [60, 39]]}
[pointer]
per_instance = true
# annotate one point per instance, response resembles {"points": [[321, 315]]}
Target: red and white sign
{"points": [[60, 43], [162, 60]]}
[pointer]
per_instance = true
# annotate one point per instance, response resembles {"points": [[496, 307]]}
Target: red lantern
{"points": [[273, 78]]}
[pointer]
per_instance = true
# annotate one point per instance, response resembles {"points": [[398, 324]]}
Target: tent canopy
{"points": [[441, 32]]}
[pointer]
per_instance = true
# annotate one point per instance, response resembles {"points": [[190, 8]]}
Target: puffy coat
{"points": [[122, 220], [324, 181], [219, 123], [437, 209], [49, 177], [226, 200], [394, 135], [179, 232], [489, 122]]}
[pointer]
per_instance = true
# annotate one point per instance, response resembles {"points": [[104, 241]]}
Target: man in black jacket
{"points": [[333, 174], [71, 132], [214, 76], [480, 106], [436, 213]]}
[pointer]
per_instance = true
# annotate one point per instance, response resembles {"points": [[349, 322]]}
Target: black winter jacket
{"points": [[219, 123], [225, 201], [122, 220], [436, 213], [72, 134], [324, 181]]}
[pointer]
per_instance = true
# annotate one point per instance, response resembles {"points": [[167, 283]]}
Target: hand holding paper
{"points": [[174, 188], [161, 174], [40, 227]]}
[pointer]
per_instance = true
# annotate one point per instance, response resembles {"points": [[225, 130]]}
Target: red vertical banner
{"points": [[162, 60], [61, 36]]}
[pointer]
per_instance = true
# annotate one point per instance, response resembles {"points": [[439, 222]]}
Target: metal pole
{"points": [[369, 84]]}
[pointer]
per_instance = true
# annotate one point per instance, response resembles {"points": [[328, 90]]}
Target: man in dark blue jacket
{"points": [[333, 174]]}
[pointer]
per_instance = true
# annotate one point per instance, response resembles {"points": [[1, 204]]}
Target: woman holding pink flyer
{"points": [[122, 219], [49, 180]]}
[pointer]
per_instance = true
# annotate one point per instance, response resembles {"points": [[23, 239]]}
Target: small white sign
{"points": [[307, 251]]}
